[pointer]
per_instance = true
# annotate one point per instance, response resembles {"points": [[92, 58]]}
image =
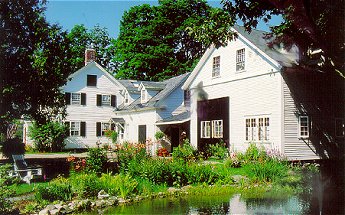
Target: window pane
{"points": [[240, 59], [216, 66], [105, 99], [91, 80], [76, 98]]}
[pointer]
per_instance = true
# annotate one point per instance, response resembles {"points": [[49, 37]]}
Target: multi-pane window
{"points": [[75, 129], [303, 126], [105, 127], [205, 129], [106, 100], [126, 98], [264, 125], [339, 127], [258, 129], [217, 128], [216, 67], [120, 129], [76, 98], [240, 60]]}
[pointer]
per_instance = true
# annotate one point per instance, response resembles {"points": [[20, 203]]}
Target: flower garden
{"points": [[95, 182]]}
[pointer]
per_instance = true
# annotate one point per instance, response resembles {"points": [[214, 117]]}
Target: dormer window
{"points": [[126, 97], [91, 81], [143, 95]]}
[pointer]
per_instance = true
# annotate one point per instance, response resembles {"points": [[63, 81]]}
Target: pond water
{"points": [[323, 193]]}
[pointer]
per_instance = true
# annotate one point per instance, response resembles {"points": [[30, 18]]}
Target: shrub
{"points": [[96, 160], [128, 152], [234, 160], [159, 135], [201, 174], [269, 171], [86, 184], [5, 192], [185, 152], [255, 154], [126, 184], [112, 135], [48, 137], [58, 189], [218, 150]]}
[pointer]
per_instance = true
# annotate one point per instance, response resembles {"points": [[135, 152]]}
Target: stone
{"points": [[58, 206], [44, 212], [50, 207], [54, 211], [102, 195]]}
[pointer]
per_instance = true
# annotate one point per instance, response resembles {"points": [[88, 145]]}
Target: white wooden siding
{"points": [[90, 113], [294, 147]]}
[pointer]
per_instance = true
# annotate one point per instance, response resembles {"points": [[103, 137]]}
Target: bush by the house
{"points": [[12, 146], [58, 189], [185, 152], [217, 150], [162, 152], [96, 160], [127, 152], [48, 137], [112, 135]]}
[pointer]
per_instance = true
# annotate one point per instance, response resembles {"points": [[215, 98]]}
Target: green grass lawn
{"points": [[22, 189]]}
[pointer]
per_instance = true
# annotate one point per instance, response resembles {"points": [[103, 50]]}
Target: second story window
{"points": [[105, 100], [216, 67], [76, 98], [126, 98], [303, 126], [91, 81], [240, 60]]}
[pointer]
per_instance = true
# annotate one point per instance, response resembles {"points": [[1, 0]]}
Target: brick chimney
{"points": [[90, 56]]}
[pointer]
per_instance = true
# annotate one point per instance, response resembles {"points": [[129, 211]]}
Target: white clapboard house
{"points": [[245, 93]]}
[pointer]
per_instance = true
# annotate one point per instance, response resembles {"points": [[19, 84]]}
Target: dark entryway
{"points": [[175, 137], [212, 111], [142, 134]]}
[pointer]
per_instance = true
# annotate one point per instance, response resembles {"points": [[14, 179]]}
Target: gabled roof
{"points": [[95, 64], [256, 40], [130, 85], [169, 86], [150, 85]]}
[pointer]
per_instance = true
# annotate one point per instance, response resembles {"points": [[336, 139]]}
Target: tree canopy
{"points": [[315, 26], [34, 60], [158, 42], [82, 38]]}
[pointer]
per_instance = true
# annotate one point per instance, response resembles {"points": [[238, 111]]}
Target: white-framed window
{"points": [[143, 95], [106, 100], [264, 128], [120, 129], [339, 127], [217, 128], [75, 98], [303, 126], [205, 129], [105, 126], [126, 97], [240, 59], [75, 129], [257, 128], [216, 67]]}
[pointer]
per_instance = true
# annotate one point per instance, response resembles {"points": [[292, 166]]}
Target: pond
{"points": [[322, 194]]}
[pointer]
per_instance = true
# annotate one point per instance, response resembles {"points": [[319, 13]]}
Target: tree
{"points": [[315, 26], [97, 38], [35, 63], [157, 42]]}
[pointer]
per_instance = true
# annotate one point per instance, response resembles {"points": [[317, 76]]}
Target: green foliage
{"points": [[157, 42], [270, 170], [159, 135], [96, 160], [98, 38], [48, 137], [58, 189], [185, 152], [126, 185], [111, 134], [218, 150], [33, 51], [11, 147], [85, 184], [5, 192], [130, 152]]}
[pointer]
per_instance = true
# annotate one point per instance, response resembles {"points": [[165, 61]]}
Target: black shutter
{"points": [[68, 98], [83, 99], [82, 129], [113, 100], [67, 124], [98, 129], [99, 100], [112, 126]]}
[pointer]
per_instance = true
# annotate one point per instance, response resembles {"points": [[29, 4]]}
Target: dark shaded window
{"points": [[91, 80]]}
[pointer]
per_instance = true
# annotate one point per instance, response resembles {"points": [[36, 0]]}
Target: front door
{"points": [[142, 134], [175, 138]]}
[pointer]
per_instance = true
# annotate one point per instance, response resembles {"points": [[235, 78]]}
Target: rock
{"points": [[173, 190], [58, 206], [100, 203], [102, 195], [239, 178], [54, 211], [44, 212], [50, 207]]}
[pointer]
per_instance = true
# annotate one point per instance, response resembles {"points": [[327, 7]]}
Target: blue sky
{"points": [[106, 13]]}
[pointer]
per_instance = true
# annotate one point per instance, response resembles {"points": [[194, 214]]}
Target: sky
{"points": [[106, 13]]}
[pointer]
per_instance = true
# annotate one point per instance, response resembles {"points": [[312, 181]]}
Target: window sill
{"points": [[240, 71], [216, 77]]}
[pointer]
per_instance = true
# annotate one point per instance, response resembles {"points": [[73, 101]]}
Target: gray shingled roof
{"points": [[166, 86], [257, 37], [150, 85], [182, 117], [129, 85]]}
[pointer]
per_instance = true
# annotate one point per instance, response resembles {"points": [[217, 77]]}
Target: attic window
{"points": [[91, 80], [216, 67], [126, 98], [240, 60]]}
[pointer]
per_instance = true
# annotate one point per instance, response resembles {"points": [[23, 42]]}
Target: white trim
{"points": [[172, 122], [299, 127]]}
